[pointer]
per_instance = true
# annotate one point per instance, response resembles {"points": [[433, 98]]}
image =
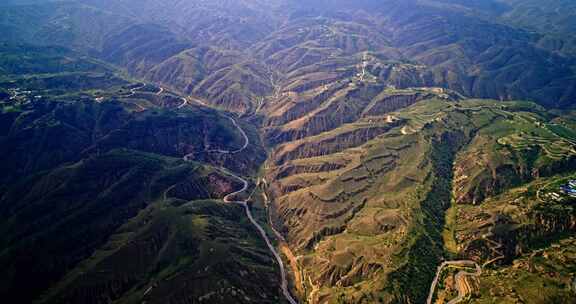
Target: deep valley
{"points": [[287, 151]]}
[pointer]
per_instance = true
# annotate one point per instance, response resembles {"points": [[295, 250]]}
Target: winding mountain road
{"points": [[184, 103], [189, 156], [494, 246], [462, 288], [229, 198], [133, 90], [462, 285]]}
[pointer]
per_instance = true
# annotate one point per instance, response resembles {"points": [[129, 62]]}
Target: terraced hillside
{"points": [[523, 240], [361, 204], [386, 139]]}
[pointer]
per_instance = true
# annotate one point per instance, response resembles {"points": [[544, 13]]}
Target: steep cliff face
{"points": [[507, 154], [549, 223], [516, 222], [504, 237], [496, 179]]}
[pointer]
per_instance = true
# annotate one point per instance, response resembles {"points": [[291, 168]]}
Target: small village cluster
{"points": [[570, 188], [20, 96]]}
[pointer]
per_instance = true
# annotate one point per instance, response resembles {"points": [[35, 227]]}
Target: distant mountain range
{"points": [[385, 137]]}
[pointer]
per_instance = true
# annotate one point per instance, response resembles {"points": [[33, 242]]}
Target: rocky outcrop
{"points": [[549, 223], [502, 239], [490, 182], [481, 176]]}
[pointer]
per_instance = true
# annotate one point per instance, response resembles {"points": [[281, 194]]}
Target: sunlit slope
{"points": [[363, 205]]}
